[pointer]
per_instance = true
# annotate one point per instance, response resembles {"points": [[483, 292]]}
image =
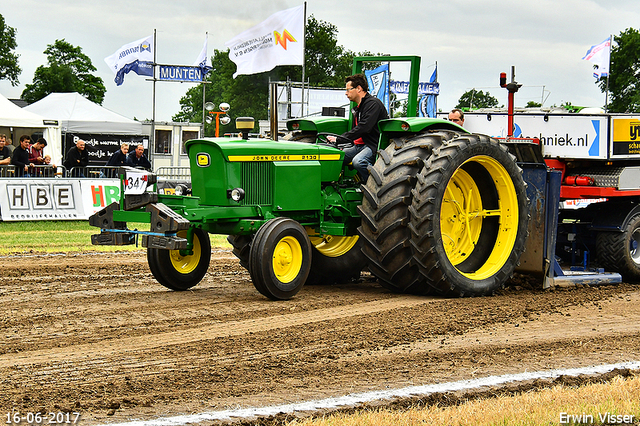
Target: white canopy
{"points": [[17, 121], [77, 114]]}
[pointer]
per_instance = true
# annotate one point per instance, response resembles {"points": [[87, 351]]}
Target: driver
{"points": [[364, 134]]}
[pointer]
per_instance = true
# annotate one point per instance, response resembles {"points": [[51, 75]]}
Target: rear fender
{"points": [[399, 127]]}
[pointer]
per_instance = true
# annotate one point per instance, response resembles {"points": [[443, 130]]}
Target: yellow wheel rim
{"points": [[287, 259], [332, 245], [186, 264], [462, 214]]}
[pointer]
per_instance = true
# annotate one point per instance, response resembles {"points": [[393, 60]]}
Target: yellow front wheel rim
{"points": [[462, 214], [186, 264], [287, 259]]}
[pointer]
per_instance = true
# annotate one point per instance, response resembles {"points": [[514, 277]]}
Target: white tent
{"points": [[16, 121], [77, 114]]}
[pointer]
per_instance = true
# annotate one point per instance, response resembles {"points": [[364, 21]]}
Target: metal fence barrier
{"points": [[7, 170], [173, 173], [94, 172], [41, 170]]}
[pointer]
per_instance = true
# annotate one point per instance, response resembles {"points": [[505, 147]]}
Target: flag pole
{"points": [[606, 93], [304, 32], [153, 107], [206, 37]]}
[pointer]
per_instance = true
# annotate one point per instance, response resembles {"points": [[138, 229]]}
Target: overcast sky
{"points": [[471, 40]]}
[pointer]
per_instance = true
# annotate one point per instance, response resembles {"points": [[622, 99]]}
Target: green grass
{"points": [[65, 236]]}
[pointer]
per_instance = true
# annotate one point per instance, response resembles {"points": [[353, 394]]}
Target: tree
{"points": [[9, 69], [624, 73], [533, 104], [473, 99], [326, 64], [69, 70]]}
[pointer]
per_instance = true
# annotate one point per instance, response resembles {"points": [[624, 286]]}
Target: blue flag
{"points": [[378, 80], [428, 103]]}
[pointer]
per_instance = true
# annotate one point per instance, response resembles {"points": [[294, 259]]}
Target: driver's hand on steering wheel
{"points": [[331, 139]]}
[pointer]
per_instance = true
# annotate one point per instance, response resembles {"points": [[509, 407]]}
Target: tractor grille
{"points": [[256, 182]]}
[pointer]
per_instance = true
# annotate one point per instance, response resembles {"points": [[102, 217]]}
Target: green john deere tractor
{"points": [[443, 210]]}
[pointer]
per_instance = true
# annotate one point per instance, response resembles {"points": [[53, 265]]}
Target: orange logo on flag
{"points": [[282, 39]]}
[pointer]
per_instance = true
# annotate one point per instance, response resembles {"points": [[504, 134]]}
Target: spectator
{"points": [[20, 156], [77, 158], [49, 168], [138, 159], [5, 153], [119, 158], [35, 152], [457, 116], [9, 144]]}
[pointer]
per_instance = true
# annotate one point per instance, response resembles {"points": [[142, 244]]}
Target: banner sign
{"points": [[180, 73], [29, 199], [100, 147], [626, 136], [402, 88], [565, 136]]}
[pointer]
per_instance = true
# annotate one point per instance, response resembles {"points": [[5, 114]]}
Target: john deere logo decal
{"points": [[203, 159]]}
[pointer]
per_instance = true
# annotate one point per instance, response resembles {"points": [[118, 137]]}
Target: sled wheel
{"points": [[178, 272], [385, 214], [280, 258], [241, 246], [335, 259], [619, 251], [469, 216]]}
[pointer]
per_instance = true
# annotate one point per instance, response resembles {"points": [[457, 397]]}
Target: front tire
{"points": [[178, 272], [469, 217], [280, 258]]}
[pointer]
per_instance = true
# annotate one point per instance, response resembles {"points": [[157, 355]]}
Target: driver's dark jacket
{"points": [[366, 115]]}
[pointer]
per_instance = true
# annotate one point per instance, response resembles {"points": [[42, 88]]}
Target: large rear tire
{"points": [[336, 259], [280, 258], [619, 251], [387, 196], [469, 217], [178, 272]]}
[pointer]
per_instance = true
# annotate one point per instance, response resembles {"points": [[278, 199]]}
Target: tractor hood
{"points": [[219, 165]]}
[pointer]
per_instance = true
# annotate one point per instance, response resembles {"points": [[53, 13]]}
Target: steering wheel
{"points": [[340, 143]]}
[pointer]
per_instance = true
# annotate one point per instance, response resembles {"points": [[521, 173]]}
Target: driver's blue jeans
{"points": [[361, 156]]}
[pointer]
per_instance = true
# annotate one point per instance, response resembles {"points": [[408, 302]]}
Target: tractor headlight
{"points": [[236, 194], [182, 189]]}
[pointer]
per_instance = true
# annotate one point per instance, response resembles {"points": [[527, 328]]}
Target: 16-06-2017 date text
{"points": [[38, 418]]}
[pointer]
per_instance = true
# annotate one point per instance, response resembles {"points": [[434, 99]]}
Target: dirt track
{"points": [[95, 333]]}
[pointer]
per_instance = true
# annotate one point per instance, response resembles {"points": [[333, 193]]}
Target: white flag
{"points": [[279, 40], [136, 57], [600, 55], [204, 60]]}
